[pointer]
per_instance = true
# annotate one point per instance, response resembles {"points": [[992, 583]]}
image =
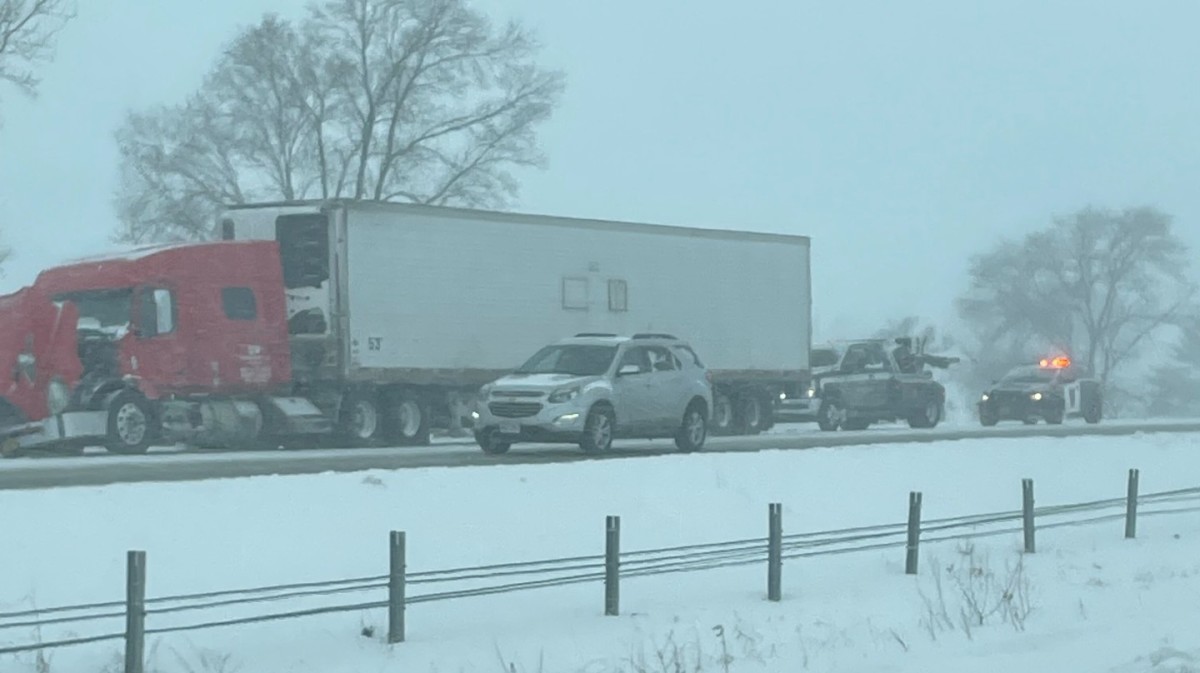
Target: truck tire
{"points": [[408, 416], [360, 420], [722, 421], [856, 424], [598, 430], [1094, 412], [130, 424], [831, 415], [694, 428], [1055, 416], [988, 418], [752, 418], [928, 416]]}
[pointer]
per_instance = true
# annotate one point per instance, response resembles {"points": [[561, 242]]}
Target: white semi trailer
{"points": [[398, 313]]}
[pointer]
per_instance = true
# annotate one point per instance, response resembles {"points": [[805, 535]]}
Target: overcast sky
{"points": [[902, 137]]}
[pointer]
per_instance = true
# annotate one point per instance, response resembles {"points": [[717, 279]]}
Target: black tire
{"points": [[1055, 417], [693, 430], [489, 442], [407, 417], [752, 414], [928, 416], [856, 424], [723, 415], [1094, 412], [831, 415], [130, 424], [598, 430], [988, 418], [360, 419], [1029, 421]]}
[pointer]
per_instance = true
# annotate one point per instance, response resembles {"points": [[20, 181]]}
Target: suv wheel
{"points": [[694, 429], [489, 441], [598, 431]]}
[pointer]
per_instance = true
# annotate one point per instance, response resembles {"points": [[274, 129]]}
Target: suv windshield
{"points": [[570, 359]]}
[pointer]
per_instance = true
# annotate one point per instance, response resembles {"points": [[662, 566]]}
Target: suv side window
{"points": [[686, 354], [635, 356], [661, 359]]}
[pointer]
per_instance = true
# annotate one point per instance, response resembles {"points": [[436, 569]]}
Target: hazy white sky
{"points": [[902, 137]]}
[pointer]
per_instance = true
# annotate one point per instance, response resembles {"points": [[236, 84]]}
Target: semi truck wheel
{"points": [[130, 424], [408, 417], [360, 419], [752, 414], [1094, 411], [722, 414]]}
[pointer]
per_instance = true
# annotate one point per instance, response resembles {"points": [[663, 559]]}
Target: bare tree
{"points": [[1097, 284], [388, 100], [27, 32], [1175, 387]]}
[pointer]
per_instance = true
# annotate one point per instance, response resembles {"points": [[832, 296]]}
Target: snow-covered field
{"points": [[1095, 601]]}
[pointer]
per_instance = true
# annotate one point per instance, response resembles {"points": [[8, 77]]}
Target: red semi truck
{"points": [[171, 343]]}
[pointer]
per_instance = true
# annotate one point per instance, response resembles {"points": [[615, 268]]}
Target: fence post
{"points": [[1027, 514], [396, 587], [775, 552], [612, 566], [135, 611], [1131, 502], [914, 533]]}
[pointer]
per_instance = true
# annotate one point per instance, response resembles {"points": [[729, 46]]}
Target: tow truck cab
{"points": [[179, 342]]}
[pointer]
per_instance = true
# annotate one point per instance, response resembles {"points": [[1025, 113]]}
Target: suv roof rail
{"points": [[652, 335], [594, 334]]}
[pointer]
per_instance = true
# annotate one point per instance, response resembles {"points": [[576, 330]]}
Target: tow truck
{"points": [[1052, 390], [881, 380]]}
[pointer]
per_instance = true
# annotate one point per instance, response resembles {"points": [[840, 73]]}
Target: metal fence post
{"points": [[1131, 503], [1027, 514], [914, 533], [775, 552], [396, 588], [612, 566], [135, 611]]}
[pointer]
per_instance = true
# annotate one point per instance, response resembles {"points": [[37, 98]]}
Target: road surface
{"points": [[168, 465]]}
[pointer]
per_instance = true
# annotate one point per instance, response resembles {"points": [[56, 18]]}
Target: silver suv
{"points": [[593, 388]]}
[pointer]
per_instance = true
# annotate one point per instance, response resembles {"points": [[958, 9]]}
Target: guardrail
{"points": [[390, 591]]}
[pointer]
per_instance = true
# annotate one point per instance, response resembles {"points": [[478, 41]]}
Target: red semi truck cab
{"points": [[183, 342]]}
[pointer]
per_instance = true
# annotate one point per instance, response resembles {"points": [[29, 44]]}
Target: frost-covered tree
{"points": [[1175, 386], [420, 101], [28, 29], [1098, 285]]}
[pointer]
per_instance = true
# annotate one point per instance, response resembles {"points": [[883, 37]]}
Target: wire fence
{"points": [[389, 591]]}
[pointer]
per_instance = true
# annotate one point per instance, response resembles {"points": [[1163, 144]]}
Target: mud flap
{"points": [[1073, 396]]}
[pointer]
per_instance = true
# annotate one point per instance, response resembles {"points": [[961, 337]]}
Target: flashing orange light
{"points": [[1060, 362]]}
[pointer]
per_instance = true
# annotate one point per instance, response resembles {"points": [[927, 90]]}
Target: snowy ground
{"points": [[1096, 602]]}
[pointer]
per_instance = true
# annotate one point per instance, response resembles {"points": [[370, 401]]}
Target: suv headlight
{"points": [[811, 392], [58, 397], [564, 395]]}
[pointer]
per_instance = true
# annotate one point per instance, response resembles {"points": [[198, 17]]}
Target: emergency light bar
{"points": [[1060, 362]]}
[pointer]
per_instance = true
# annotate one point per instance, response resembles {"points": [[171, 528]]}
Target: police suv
{"points": [[1051, 390]]}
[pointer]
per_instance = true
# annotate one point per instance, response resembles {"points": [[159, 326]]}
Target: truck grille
{"points": [[515, 409]]}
